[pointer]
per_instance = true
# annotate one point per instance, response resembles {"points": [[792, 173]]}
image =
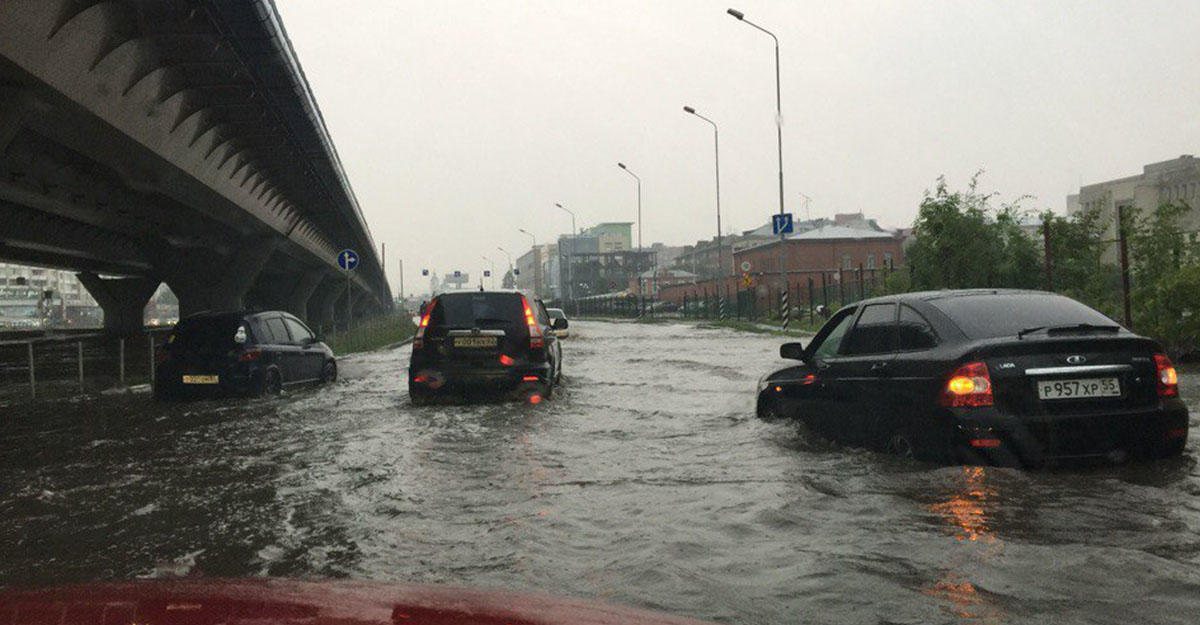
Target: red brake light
{"points": [[506, 360], [969, 387], [419, 337], [249, 355], [1168, 378], [535, 331], [529, 378]]}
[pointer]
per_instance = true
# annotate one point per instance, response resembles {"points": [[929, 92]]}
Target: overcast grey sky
{"points": [[459, 122]]}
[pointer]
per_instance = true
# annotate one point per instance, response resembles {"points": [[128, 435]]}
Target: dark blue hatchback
{"points": [[239, 353]]}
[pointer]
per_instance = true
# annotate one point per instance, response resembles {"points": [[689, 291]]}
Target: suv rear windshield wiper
{"points": [[1079, 327]]}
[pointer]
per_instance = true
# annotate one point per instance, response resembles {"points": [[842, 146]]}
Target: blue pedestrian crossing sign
{"points": [[424, 272], [782, 223], [347, 259], [487, 273], [457, 273]]}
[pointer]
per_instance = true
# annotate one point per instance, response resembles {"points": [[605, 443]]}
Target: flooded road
{"points": [[647, 481]]}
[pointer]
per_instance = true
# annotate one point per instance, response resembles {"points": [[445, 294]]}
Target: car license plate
{"points": [[474, 341], [1079, 389], [201, 379]]}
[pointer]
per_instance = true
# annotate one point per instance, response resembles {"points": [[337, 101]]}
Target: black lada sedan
{"points": [[240, 353], [982, 376], [479, 343]]}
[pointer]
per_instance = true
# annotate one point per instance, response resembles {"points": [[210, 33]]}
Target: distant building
{"points": [[536, 270], [1173, 181], [615, 236], [828, 248], [701, 258], [39, 297]]}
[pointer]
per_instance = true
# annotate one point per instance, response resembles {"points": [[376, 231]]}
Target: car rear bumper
{"points": [[169, 383], [460, 381], [1029, 441]]}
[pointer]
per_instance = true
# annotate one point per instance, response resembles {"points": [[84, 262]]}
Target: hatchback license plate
{"points": [[1079, 389], [474, 341], [201, 379]]}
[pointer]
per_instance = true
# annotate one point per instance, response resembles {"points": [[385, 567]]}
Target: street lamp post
{"points": [[537, 264], [571, 258], [778, 127], [639, 222], [510, 266], [717, 170]]}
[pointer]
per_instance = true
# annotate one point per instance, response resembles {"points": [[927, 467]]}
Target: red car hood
{"points": [[275, 601]]}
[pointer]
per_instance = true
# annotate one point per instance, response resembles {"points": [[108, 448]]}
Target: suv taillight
{"points": [[969, 386], [536, 341], [1168, 378], [419, 337]]}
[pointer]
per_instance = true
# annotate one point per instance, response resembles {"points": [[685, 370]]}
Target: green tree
{"points": [[1165, 278], [962, 242], [1078, 270]]}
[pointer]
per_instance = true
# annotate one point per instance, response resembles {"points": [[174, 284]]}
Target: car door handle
{"points": [[879, 367]]}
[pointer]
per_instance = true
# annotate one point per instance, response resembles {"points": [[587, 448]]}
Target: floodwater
{"points": [[646, 481]]}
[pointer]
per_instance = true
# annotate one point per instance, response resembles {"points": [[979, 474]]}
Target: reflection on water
{"points": [[967, 514]]}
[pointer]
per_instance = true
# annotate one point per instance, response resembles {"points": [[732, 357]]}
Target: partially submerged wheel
{"points": [[329, 372], [900, 445], [272, 384]]}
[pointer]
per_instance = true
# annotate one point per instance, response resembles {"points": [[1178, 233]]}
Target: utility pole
{"points": [[1124, 250], [1046, 254]]}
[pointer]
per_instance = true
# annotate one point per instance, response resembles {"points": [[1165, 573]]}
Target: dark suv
{"points": [[475, 342], [255, 353]]}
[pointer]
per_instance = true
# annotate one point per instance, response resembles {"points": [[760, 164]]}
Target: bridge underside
{"points": [[138, 139]]}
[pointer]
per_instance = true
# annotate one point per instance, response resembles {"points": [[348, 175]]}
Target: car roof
{"points": [[928, 296], [243, 314], [485, 292]]}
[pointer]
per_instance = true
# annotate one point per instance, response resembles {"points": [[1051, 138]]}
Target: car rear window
{"points": [[1006, 314], [473, 310], [206, 333]]}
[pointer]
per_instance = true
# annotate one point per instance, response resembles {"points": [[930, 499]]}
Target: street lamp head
{"points": [[736, 13], [622, 165], [688, 109], [558, 205]]}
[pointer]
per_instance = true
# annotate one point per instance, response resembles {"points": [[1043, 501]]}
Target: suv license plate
{"points": [[201, 379], [1079, 389], [474, 341]]}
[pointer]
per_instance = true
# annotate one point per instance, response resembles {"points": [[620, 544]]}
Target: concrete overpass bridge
{"points": [[174, 141]]}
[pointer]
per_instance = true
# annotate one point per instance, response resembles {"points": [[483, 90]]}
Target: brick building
{"points": [[829, 248]]}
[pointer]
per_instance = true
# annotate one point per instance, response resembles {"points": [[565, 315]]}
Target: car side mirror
{"points": [[308, 340], [560, 324], [793, 351]]}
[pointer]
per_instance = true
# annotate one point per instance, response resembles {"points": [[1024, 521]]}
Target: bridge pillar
{"points": [[306, 286], [198, 291], [122, 299], [322, 307]]}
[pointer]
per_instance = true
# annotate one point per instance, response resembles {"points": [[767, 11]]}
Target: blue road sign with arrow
{"points": [[782, 223], [347, 259]]}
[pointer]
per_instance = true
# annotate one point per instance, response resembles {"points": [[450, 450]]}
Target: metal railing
{"points": [[78, 361]]}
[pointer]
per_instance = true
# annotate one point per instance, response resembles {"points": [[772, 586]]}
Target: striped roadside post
{"points": [[786, 312]]}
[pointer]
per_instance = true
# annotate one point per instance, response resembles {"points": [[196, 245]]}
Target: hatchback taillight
{"points": [[536, 341], [419, 337], [249, 355], [1168, 378], [969, 386]]}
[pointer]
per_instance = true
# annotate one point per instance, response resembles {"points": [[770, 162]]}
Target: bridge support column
{"points": [[123, 300], [198, 292], [323, 305], [303, 293]]}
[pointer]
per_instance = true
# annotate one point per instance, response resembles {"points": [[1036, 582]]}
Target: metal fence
{"points": [[764, 298], [77, 362]]}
